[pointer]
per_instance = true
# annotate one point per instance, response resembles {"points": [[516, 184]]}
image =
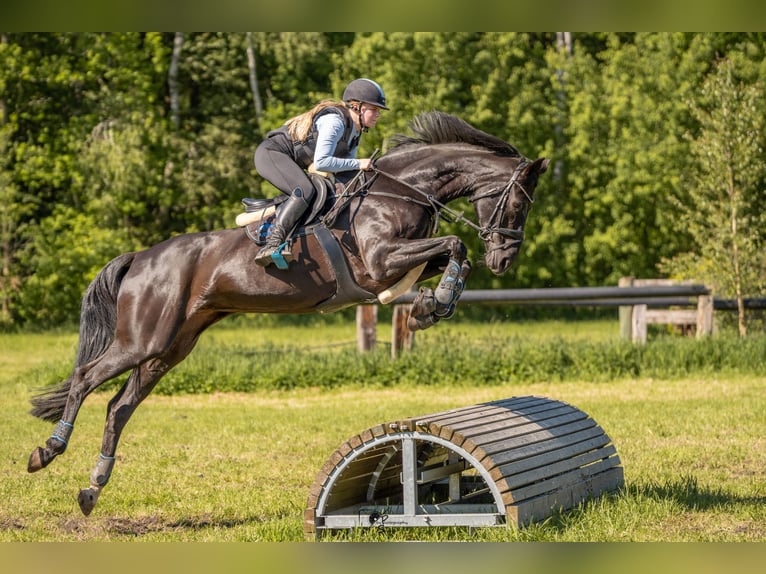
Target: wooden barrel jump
{"points": [[505, 462]]}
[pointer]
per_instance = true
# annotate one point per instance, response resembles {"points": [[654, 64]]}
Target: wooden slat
{"points": [[671, 316], [358, 470], [523, 513], [523, 446], [491, 414], [561, 481], [549, 425], [341, 500], [553, 463], [442, 416], [485, 409], [484, 444], [507, 419], [509, 425], [439, 420], [552, 451]]}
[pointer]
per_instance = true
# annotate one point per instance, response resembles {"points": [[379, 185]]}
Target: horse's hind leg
{"points": [[54, 446], [81, 383], [138, 386]]}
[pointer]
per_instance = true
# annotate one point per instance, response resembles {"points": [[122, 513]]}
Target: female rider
{"points": [[328, 136]]}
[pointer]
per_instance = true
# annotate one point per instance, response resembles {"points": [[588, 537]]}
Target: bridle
{"points": [[484, 232], [516, 233]]}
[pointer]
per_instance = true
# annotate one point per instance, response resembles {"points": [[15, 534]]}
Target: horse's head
{"points": [[502, 213]]}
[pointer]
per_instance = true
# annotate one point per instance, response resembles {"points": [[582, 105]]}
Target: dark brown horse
{"points": [[144, 311]]}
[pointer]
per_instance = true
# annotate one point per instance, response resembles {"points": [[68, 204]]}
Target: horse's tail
{"points": [[98, 318]]}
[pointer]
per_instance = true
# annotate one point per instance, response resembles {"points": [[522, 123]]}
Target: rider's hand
{"points": [[365, 164]]}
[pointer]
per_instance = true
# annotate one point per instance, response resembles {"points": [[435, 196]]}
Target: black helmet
{"points": [[367, 91]]}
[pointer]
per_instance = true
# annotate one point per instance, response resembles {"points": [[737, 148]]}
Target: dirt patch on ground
{"points": [[140, 526], [11, 524]]}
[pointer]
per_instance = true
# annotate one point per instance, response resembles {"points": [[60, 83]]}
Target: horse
{"points": [[145, 310]]}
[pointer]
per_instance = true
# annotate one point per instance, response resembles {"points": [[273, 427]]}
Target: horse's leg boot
{"points": [[421, 313], [449, 290]]}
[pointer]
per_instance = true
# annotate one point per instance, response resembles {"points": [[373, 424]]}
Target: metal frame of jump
{"points": [[505, 462]]}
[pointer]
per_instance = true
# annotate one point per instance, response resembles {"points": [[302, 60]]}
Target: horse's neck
{"points": [[444, 181]]}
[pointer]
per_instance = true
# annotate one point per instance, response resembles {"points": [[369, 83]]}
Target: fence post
{"points": [[401, 336], [366, 327], [638, 327], [626, 312], [705, 315]]}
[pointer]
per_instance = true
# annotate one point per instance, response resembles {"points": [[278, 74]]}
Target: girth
{"points": [[347, 292]]}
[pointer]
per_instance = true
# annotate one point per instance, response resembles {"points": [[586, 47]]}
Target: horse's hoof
{"points": [[37, 460], [87, 500], [421, 322]]}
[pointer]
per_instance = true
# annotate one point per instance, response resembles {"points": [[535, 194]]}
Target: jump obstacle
{"points": [[506, 462]]}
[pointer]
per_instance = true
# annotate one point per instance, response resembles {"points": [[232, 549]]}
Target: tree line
{"points": [[112, 142]]}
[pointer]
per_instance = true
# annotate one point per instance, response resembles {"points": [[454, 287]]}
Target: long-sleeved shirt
{"points": [[330, 128]]}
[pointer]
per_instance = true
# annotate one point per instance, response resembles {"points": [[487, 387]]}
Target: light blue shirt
{"points": [[330, 128]]}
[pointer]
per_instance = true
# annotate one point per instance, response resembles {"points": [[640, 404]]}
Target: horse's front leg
{"points": [[430, 306]]}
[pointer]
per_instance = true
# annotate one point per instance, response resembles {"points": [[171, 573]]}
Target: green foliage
{"points": [[476, 361], [66, 254], [722, 209], [151, 134]]}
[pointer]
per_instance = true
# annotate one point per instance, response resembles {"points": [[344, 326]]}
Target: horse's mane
{"points": [[439, 127]]}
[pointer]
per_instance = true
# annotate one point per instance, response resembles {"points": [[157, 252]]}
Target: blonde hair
{"points": [[299, 127]]}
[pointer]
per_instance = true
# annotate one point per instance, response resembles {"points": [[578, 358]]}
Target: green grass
{"points": [[237, 466]]}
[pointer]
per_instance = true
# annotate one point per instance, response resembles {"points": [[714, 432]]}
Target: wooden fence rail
{"points": [[640, 301], [634, 319]]}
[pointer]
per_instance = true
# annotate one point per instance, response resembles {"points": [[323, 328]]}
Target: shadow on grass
{"points": [[686, 491], [683, 491]]}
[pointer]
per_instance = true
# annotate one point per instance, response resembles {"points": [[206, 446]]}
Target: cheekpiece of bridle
{"points": [[513, 233]]}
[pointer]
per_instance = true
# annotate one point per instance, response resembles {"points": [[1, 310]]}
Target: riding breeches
{"points": [[273, 162]]}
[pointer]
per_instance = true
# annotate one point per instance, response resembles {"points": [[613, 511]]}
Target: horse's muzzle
{"points": [[499, 260]]}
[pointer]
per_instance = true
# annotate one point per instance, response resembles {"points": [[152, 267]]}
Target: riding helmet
{"points": [[367, 91]]}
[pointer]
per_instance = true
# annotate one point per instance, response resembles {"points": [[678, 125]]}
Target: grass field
{"points": [[237, 466]]}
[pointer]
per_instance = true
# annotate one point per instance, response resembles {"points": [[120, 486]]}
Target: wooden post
{"points": [[704, 315], [366, 327], [626, 312], [639, 324], [401, 336]]}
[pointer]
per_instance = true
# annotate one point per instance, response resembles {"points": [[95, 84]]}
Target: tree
{"points": [[13, 211], [145, 135], [722, 210]]}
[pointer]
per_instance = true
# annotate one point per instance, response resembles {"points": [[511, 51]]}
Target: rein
{"points": [[438, 206]]}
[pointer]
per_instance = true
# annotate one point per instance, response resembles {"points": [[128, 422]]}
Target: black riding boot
{"points": [[288, 215]]}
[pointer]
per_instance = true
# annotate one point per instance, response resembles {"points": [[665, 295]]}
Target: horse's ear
{"points": [[540, 165]]}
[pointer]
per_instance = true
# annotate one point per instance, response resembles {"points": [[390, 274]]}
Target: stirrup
{"points": [[280, 259]]}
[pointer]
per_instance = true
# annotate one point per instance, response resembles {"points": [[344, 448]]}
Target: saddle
{"points": [[263, 210], [260, 213], [259, 216]]}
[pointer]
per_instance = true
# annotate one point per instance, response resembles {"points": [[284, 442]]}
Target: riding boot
{"points": [[288, 215]]}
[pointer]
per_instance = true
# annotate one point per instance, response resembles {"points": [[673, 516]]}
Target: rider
{"points": [[327, 135]]}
